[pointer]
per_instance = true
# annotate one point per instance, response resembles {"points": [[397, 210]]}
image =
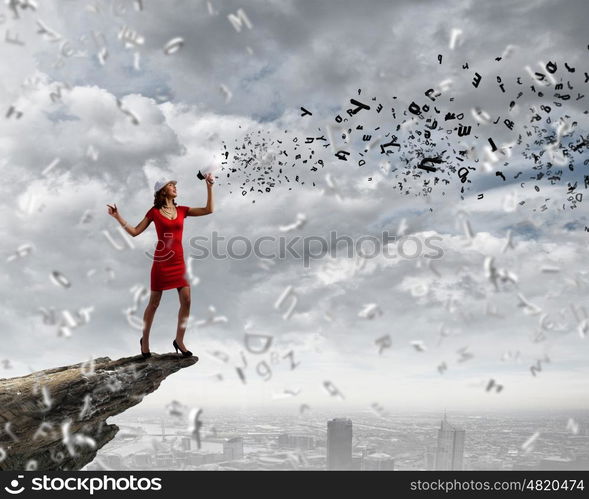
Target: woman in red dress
{"points": [[169, 269]]}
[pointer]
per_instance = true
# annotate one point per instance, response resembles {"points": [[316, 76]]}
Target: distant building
{"points": [[164, 459], [429, 457], [284, 441], [378, 462], [302, 442], [212, 457], [233, 449], [195, 458], [364, 450], [199, 458], [339, 444], [450, 450], [142, 460], [185, 443]]}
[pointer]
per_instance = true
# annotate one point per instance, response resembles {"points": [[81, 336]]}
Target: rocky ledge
{"points": [[56, 419]]}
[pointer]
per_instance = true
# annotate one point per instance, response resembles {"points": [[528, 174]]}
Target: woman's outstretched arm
{"points": [[134, 231], [197, 212]]}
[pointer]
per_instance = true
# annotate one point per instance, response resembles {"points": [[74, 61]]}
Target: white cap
{"points": [[161, 183]]}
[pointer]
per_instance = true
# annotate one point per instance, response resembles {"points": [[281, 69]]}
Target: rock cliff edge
{"points": [[56, 419]]}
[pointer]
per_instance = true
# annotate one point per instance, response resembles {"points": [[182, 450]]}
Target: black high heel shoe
{"points": [[186, 353], [145, 355]]}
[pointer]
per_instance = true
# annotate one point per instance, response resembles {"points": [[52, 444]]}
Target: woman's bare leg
{"points": [[183, 313], [154, 301]]}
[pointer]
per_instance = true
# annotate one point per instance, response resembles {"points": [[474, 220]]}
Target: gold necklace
{"points": [[168, 211]]}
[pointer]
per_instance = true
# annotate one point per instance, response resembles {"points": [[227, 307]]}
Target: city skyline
{"points": [[287, 442]]}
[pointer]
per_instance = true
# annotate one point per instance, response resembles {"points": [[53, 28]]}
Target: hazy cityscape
{"points": [[360, 441]]}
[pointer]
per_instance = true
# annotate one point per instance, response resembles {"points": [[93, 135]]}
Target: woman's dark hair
{"points": [[159, 199]]}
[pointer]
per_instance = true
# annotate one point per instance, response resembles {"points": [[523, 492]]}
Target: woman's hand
{"points": [[112, 210], [210, 179]]}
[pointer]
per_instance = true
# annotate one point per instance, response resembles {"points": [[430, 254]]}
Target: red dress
{"points": [[169, 269]]}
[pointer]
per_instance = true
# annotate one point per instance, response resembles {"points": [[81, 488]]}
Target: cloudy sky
{"points": [[68, 149]]}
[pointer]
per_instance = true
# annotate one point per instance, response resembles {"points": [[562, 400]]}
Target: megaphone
{"points": [[201, 175]]}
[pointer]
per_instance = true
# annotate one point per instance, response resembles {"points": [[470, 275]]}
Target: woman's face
{"points": [[170, 190]]}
